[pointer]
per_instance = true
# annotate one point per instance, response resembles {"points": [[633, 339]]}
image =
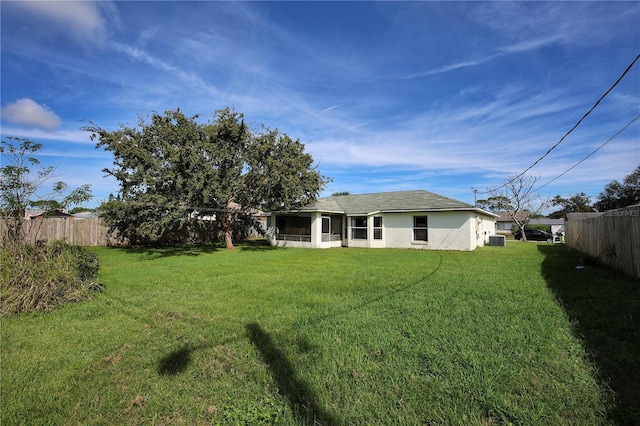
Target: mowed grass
{"points": [[202, 335]]}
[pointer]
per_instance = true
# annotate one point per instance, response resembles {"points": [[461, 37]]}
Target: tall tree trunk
{"points": [[228, 237], [228, 219], [523, 233], [227, 222], [521, 225]]}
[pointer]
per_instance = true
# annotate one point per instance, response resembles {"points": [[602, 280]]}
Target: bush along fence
{"points": [[612, 238], [82, 232]]}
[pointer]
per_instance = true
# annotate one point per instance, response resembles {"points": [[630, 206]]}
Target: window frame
{"points": [[420, 229], [359, 232], [377, 227]]}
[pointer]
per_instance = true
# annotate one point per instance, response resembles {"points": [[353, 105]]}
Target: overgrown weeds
{"points": [[41, 277]]}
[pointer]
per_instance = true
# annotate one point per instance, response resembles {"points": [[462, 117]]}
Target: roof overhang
{"points": [[442, 210], [307, 211], [459, 209]]}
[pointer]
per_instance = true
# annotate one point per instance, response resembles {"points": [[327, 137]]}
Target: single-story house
{"points": [[553, 225], [505, 223], [404, 219]]}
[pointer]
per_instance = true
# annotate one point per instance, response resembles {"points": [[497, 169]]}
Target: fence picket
{"points": [[613, 238], [83, 232]]}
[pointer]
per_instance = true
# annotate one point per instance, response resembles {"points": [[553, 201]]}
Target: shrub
{"points": [[514, 228], [539, 226], [41, 277]]}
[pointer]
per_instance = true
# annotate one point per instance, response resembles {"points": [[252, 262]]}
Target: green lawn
{"points": [[201, 335]]}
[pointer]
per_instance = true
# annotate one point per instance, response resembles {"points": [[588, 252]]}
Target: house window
{"points": [[377, 227], [420, 232], [359, 228]]}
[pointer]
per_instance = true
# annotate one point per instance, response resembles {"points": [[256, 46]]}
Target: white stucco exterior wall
{"points": [[448, 230], [398, 231], [486, 228], [451, 230]]}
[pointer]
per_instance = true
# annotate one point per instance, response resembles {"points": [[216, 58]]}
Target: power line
{"points": [[590, 154], [570, 131]]}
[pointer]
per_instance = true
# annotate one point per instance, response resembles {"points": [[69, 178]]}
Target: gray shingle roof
{"points": [[506, 217], [386, 202]]}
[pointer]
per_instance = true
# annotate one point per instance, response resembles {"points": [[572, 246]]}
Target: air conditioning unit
{"points": [[497, 240]]}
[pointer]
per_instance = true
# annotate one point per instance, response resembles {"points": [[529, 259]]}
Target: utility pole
{"points": [[475, 196]]}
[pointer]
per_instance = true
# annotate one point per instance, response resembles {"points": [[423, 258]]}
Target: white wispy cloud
{"points": [[575, 23], [184, 76], [332, 107], [83, 21], [462, 138], [500, 52], [64, 136], [27, 112]]}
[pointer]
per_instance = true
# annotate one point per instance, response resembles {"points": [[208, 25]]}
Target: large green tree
{"points": [[578, 203], [617, 195], [495, 204], [173, 170]]}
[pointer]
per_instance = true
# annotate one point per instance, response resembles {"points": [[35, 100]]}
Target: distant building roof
{"points": [[86, 215], [34, 214], [506, 217]]}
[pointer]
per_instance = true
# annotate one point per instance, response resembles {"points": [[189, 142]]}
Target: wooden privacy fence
{"points": [[613, 238], [83, 232], [90, 232]]}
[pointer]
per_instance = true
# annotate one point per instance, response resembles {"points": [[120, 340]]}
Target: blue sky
{"points": [[387, 96]]}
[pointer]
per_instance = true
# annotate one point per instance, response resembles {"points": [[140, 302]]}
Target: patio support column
{"points": [[316, 229]]}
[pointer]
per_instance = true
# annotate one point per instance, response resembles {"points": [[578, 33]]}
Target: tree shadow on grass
{"points": [[159, 252], [605, 308], [177, 250], [303, 402], [179, 360], [176, 362], [256, 245]]}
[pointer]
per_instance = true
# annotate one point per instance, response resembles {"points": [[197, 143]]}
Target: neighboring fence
{"points": [[83, 232], [79, 231], [613, 238]]}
